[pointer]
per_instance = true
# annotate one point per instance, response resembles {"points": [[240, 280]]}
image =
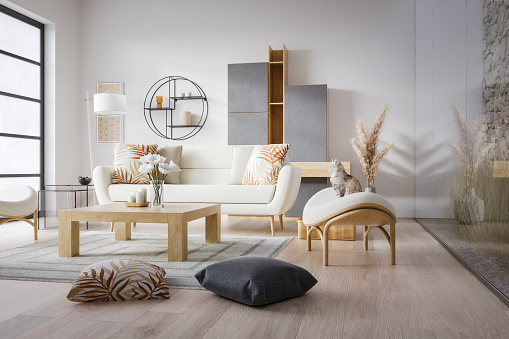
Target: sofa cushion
{"points": [[127, 161], [171, 153], [206, 157], [205, 176], [240, 158], [264, 164], [256, 281], [225, 194], [119, 279]]}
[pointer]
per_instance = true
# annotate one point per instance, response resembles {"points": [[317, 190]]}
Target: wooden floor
{"points": [[427, 294]]}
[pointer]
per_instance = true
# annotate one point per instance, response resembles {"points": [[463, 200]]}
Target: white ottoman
{"points": [[359, 209]]}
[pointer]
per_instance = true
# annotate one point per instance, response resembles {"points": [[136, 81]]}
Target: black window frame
{"points": [[40, 63]]}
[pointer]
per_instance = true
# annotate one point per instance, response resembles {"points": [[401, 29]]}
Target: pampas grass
{"points": [[366, 147], [468, 148]]}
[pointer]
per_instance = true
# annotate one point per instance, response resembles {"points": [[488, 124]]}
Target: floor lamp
{"points": [[104, 104]]}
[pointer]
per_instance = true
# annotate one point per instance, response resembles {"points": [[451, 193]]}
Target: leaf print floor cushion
{"points": [[119, 279], [264, 164], [127, 161]]}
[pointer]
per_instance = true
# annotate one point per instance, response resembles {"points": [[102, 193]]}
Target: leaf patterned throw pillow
{"points": [[264, 164], [127, 161], [119, 279]]}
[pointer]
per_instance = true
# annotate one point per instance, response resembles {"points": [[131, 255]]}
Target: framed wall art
{"points": [[112, 87], [110, 128]]}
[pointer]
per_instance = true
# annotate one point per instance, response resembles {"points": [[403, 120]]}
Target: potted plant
{"points": [[366, 148], [470, 153]]}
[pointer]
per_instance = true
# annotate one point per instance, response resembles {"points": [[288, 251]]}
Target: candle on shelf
{"points": [[144, 190], [185, 118], [131, 198], [139, 197]]}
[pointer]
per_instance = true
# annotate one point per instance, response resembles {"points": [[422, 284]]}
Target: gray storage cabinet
{"points": [[248, 103], [248, 88], [306, 131], [248, 128]]}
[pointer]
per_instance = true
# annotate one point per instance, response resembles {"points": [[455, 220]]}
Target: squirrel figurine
{"points": [[342, 182]]}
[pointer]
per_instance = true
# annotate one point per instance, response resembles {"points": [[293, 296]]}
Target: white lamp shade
{"points": [[109, 103]]}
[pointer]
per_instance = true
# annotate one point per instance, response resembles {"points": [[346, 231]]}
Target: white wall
{"points": [[449, 69], [364, 50], [62, 74], [418, 58]]}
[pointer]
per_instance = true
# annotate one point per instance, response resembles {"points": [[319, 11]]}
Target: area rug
{"points": [[40, 262]]}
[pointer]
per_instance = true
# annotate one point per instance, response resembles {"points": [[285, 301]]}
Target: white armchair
{"points": [[18, 202]]}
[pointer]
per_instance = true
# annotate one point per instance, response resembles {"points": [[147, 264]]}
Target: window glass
{"points": [[10, 182], [19, 77], [19, 38], [19, 156], [19, 116]]}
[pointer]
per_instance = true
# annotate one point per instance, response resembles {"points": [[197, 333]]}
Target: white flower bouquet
{"points": [[155, 167]]}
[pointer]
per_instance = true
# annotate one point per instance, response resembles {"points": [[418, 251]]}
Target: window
{"points": [[21, 100]]}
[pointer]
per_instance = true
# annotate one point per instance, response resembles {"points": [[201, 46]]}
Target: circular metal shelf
{"points": [[171, 130]]}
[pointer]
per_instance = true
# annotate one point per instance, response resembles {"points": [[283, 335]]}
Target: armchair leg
{"points": [[36, 223], [281, 221], [272, 225]]}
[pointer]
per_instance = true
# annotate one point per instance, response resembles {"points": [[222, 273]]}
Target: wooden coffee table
{"points": [[175, 215]]}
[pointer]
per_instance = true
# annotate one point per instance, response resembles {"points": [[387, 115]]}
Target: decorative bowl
{"points": [[84, 180]]}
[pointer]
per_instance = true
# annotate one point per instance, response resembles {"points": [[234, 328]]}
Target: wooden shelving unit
{"points": [[278, 79]]}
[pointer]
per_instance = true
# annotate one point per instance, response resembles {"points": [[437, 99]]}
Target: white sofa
{"points": [[208, 176]]}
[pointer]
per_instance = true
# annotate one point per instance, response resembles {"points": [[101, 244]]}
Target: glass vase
{"points": [[157, 193]]}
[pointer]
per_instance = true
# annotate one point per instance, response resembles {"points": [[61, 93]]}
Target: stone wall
{"points": [[496, 74]]}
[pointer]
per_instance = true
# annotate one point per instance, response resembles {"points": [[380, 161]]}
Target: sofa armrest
{"points": [[103, 177], [287, 189]]}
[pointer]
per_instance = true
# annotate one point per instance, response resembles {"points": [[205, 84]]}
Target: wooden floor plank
{"points": [[20, 324], [198, 320], [118, 311], [325, 311], [445, 312], [401, 304], [364, 314], [180, 301], [72, 325], [147, 325], [427, 294]]}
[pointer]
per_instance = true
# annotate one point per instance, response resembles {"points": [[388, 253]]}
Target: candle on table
{"points": [[139, 197], [144, 190], [131, 198]]}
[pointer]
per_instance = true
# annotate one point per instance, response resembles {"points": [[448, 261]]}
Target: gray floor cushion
{"points": [[255, 281]]}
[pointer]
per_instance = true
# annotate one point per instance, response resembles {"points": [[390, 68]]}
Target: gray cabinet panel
{"points": [[308, 188], [248, 87], [306, 122], [248, 128]]}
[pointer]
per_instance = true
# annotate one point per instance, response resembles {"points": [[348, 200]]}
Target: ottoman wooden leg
{"points": [[325, 241], [308, 237], [392, 243], [365, 238]]}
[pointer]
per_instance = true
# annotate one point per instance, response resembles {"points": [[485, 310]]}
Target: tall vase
{"points": [[469, 209], [157, 194]]}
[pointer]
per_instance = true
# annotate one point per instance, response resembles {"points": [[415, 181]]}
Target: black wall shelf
{"points": [[168, 87]]}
